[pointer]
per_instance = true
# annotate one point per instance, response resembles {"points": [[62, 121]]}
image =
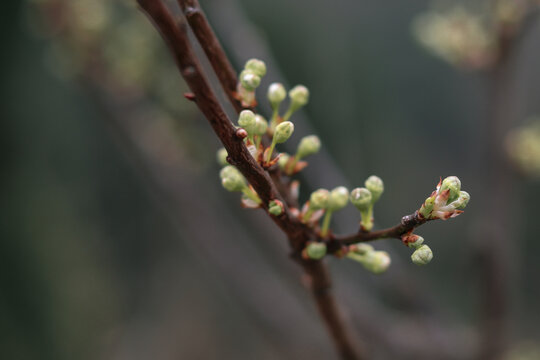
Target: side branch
{"points": [[408, 223], [212, 48]]}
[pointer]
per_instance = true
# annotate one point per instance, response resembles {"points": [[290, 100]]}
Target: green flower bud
{"points": [[249, 80], [376, 186], [232, 179], [416, 244], [316, 250], [283, 160], [462, 200], [260, 125], [376, 262], [221, 157], [454, 185], [338, 198], [299, 96], [276, 94], [319, 199], [361, 248], [422, 255], [275, 208], [309, 145], [361, 198], [257, 66], [247, 121], [283, 132], [427, 207]]}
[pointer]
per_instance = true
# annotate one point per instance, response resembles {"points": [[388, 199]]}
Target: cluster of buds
{"points": [[324, 202], [422, 254], [523, 147], [250, 79], [457, 36], [298, 96], [447, 201], [365, 197], [373, 261]]}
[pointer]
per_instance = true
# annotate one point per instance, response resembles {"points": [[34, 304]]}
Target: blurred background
{"points": [[118, 241]]}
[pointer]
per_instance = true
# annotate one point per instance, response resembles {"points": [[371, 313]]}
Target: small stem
{"points": [[258, 142], [274, 120], [290, 167], [307, 215], [367, 219], [270, 151], [326, 223], [288, 114], [251, 194]]}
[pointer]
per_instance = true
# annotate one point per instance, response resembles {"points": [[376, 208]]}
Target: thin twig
{"points": [[212, 48]]}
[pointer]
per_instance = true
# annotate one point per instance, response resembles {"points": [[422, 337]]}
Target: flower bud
{"points": [[338, 198], [453, 184], [417, 243], [276, 94], [319, 199], [283, 160], [232, 179], [283, 132], [316, 250], [260, 125], [361, 248], [375, 185], [422, 255], [376, 262], [462, 200], [309, 145], [221, 157], [427, 207], [299, 96], [275, 208], [361, 198], [247, 121], [257, 66], [249, 80]]}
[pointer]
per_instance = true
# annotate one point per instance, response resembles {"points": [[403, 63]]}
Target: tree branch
{"points": [[297, 233], [212, 48], [408, 223]]}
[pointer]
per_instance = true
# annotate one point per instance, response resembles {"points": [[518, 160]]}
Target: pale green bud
{"points": [[247, 121], [232, 179], [283, 132], [361, 248], [376, 261], [376, 186], [249, 80], [276, 94], [221, 157], [462, 200], [416, 244], [283, 160], [316, 250], [361, 198], [257, 66], [427, 207], [275, 208], [338, 198], [299, 96], [422, 255], [319, 199], [309, 145], [454, 185], [260, 125]]}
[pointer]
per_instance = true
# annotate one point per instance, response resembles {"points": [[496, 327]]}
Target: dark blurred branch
{"points": [[212, 48], [298, 234], [495, 226]]}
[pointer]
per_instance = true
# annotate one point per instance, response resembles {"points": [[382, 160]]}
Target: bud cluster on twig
{"points": [[261, 139]]}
